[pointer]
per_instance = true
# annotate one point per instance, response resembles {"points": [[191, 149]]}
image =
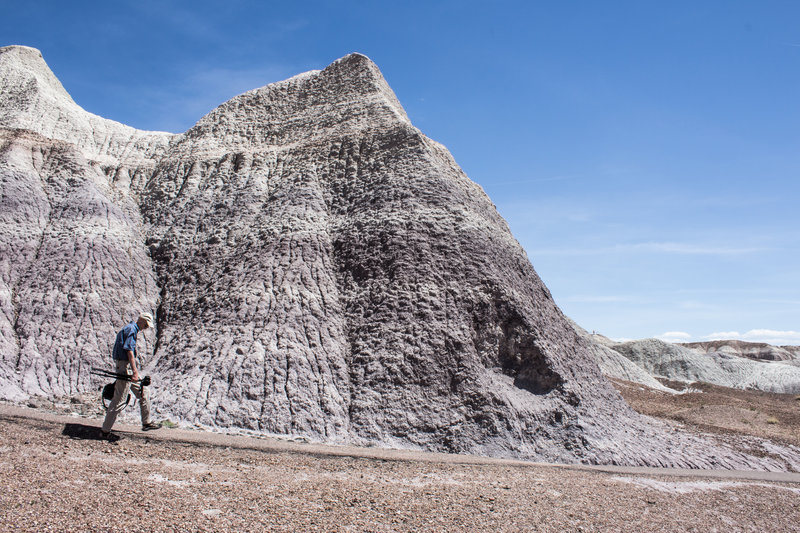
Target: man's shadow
{"points": [[82, 432]]}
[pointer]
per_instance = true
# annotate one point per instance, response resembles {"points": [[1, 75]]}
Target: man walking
{"points": [[124, 356]]}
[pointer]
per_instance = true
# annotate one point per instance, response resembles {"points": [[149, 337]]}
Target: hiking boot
{"points": [[151, 426], [110, 437]]}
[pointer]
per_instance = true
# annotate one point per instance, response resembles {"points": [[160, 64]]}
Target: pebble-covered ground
{"points": [[56, 476], [721, 410]]}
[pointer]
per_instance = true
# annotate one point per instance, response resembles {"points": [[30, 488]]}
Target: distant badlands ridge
{"points": [[752, 350], [728, 363], [318, 268]]}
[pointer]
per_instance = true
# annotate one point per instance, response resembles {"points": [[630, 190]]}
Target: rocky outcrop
{"points": [[751, 350], [318, 266], [35, 101], [72, 260], [680, 363], [615, 365], [727, 363], [793, 350]]}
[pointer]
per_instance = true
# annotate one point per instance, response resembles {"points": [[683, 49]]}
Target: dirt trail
{"points": [[267, 444], [57, 477]]}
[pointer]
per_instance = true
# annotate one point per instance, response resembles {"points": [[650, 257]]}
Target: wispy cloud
{"points": [[563, 177], [692, 249], [697, 305], [532, 180], [177, 106], [598, 299], [723, 335], [651, 247], [674, 336]]}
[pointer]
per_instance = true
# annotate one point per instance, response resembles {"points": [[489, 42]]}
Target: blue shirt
{"points": [[126, 340]]}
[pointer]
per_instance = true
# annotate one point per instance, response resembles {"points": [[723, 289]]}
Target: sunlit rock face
{"points": [[72, 261], [719, 367], [317, 265]]}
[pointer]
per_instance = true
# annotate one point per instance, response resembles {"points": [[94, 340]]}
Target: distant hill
{"points": [[731, 363], [751, 350]]}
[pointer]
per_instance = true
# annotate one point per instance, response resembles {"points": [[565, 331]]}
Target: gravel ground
{"points": [[720, 410], [56, 476]]}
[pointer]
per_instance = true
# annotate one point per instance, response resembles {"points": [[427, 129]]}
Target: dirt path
{"points": [[57, 477]]}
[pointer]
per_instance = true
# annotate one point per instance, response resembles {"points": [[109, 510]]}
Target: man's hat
{"points": [[147, 317]]}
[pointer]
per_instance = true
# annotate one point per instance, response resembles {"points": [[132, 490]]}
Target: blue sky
{"points": [[646, 154]]}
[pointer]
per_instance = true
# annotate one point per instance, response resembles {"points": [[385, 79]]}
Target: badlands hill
{"points": [[752, 350], [731, 363], [318, 267], [680, 363]]}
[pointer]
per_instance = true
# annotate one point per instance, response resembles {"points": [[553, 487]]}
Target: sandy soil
{"points": [[56, 476]]}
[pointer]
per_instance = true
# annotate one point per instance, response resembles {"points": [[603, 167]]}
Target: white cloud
{"points": [[674, 336], [650, 247], [723, 335], [690, 249], [770, 336]]}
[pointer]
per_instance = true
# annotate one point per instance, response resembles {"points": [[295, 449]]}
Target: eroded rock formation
{"points": [[318, 266], [679, 362], [759, 351]]}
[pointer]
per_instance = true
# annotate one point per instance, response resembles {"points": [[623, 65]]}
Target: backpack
{"points": [[108, 394]]}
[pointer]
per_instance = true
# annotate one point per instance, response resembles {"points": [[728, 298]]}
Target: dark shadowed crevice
{"points": [[522, 359], [160, 320], [506, 343]]}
